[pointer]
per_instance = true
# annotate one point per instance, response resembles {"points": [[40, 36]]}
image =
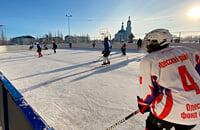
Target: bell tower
{"points": [[128, 27], [122, 27]]}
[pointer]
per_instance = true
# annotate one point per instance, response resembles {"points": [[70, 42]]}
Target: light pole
{"points": [[179, 39], [68, 23]]}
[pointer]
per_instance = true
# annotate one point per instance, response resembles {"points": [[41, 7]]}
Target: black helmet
{"points": [[106, 39]]}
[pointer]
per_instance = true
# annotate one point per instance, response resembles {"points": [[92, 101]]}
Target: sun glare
{"points": [[195, 12]]}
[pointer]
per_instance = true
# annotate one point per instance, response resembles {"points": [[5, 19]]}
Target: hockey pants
{"points": [[153, 123], [105, 57]]}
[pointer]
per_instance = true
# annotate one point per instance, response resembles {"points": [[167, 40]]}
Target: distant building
{"points": [[58, 39], [77, 39], [124, 34], [49, 40], [22, 40]]}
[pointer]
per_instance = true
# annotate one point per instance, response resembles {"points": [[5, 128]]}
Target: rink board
{"points": [[16, 113]]}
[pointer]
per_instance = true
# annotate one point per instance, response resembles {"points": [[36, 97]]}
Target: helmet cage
{"points": [[157, 38]]}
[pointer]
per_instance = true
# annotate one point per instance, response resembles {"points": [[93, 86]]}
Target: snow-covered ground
{"points": [[72, 92]]}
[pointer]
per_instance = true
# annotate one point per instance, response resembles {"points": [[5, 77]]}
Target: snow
{"points": [[72, 92]]}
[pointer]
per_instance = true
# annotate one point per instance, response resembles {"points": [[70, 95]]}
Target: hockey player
{"points": [[139, 43], [39, 49], [123, 48], [70, 45], [106, 51], [170, 84], [54, 45], [45, 45], [31, 46]]}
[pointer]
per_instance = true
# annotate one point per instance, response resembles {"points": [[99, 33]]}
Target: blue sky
{"points": [[39, 17]]}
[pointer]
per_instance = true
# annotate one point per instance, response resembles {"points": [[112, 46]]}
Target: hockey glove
{"points": [[142, 106], [103, 52]]}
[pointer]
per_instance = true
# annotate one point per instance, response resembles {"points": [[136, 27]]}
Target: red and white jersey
{"points": [[170, 82]]}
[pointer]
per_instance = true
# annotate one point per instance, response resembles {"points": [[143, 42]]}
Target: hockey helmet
{"points": [[157, 39], [105, 38]]}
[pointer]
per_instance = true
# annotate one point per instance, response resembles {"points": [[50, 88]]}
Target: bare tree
{"points": [[131, 36], [61, 35], [50, 37], [3, 38]]}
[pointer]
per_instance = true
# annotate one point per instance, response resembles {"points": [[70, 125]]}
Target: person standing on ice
{"points": [[31, 46], [93, 44], [106, 51], [123, 48], [39, 49], [139, 43], [169, 84], [45, 45], [70, 45], [54, 45]]}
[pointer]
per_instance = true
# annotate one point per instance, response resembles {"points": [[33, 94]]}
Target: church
{"points": [[123, 34]]}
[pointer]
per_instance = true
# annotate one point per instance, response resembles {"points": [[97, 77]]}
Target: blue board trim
{"points": [[35, 120], [11, 89]]}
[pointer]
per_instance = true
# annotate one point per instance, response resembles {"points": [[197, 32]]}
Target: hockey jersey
{"points": [[170, 83], [107, 46]]}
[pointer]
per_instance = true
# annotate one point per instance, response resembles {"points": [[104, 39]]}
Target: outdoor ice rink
{"points": [[72, 92]]}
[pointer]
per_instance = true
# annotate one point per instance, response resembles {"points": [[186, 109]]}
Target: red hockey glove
{"points": [[142, 106]]}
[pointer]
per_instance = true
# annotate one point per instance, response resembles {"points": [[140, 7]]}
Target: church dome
{"points": [[124, 33], [121, 31]]}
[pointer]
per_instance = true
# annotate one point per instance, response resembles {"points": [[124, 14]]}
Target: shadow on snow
{"points": [[95, 70]]}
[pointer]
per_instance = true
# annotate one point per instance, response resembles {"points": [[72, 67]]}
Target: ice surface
{"points": [[72, 92]]}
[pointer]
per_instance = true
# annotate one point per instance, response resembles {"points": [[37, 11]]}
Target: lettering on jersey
{"points": [[173, 60], [191, 114], [167, 62], [193, 107], [183, 57]]}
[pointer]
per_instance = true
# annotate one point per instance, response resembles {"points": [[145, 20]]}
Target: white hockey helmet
{"points": [[157, 38]]}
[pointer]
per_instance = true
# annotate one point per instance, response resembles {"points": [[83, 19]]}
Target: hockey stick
{"points": [[123, 120], [98, 59], [35, 53], [50, 52]]}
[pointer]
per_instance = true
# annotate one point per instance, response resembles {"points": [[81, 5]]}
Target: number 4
{"points": [[184, 76]]}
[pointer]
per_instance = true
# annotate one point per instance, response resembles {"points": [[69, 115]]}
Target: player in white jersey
{"points": [[169, 84]]}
